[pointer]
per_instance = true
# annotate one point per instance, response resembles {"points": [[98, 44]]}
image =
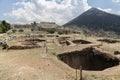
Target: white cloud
{"points": [[109, 10], [86, 6], [118, 12], [117, 1], [106, 10], [42, 10]]}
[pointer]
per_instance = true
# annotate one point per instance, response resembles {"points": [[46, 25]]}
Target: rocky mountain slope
{"points": [[97, 22]]}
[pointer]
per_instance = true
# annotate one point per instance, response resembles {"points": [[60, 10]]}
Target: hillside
{"points": [[97, 21]]}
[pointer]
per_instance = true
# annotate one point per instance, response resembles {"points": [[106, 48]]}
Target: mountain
{"points": [[95, 20]]}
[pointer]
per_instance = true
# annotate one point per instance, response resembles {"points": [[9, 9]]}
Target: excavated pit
{"points": [[35, 40], [81, 42], [64, 41], [27, 44], [116, 52], [89, 59], [108, 40], [17, 47]]}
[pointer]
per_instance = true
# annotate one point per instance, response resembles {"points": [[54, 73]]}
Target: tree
{"points": [[4, 26], [1, 28], [34, 24]]}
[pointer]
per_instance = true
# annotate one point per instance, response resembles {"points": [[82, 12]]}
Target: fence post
{"points": [[80, 72], [76, 74]]}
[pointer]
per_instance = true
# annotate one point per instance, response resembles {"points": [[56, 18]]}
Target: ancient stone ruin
{"points": [[89, 58]]}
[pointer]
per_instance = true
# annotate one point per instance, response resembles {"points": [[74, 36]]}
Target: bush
{"points": [[60, 32], [1, 30], [21, 30], [66, 31], [51, 31], [14, 30], [53, 53]]}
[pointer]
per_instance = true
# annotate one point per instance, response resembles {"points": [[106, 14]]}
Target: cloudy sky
{"points": [[59, 11]]}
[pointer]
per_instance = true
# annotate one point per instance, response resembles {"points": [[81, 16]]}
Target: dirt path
{"points": [[26, 65]]}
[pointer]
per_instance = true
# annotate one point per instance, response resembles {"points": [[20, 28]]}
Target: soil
{"points": [[32, 65]]}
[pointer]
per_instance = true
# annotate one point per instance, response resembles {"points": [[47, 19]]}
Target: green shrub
{"points": [[66, 31], [51, 31], [53, 53], [14, 30], [60, 32], [1, 30], [21, 30]]}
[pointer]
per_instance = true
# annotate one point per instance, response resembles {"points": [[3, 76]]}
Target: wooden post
{"points": [[76, 74], [80, 72], [46, 49]]}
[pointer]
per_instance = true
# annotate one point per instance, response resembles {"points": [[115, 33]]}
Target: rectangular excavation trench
{"points": [[89, 59], [108, 40], [27, 44], [81, 42]]}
